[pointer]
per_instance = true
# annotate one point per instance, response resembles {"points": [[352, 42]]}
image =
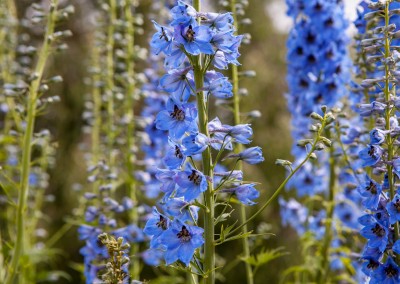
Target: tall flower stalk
{"points": [[379, 156], [239, 148], [34, 92]]}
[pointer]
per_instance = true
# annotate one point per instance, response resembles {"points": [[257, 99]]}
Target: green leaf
{"points": [[264, 256]]}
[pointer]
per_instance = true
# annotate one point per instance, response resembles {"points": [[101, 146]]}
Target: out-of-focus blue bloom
{"points": [[91, 213], [153, 257], [130, 233], [181, 240], [369, 109], [293, 214]]}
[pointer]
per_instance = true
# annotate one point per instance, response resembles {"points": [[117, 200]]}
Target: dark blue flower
{"points": [[179, 83], [388, 273], [155, 227], [195, 143], [177, 119], [393, 208], [376, 136], [195, 39], [191, 183], [175, 156], [371, 190], [371, 155], [377, 235], [245, 193], [181, 240], [181, 210], [162, 40]]}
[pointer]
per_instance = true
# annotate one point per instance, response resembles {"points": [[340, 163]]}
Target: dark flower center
{"points": [[329, 22], [162, 223], [391, 271], [184, 235], [310, 38], [372, 264], [303, 83], [397, 205], [163, 34], [347, 217], [178, 152], [190, 34], [332, 86], [371, 151], [318, 7], [178, 113], [372, 188], [195, 177], [378, 231], [299, 50], [311, 58]]}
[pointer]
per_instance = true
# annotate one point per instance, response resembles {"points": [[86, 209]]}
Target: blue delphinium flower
{"points": [[251, 155], [388, 273], [155, 227], [181, 240], [245, 193], [191, 183], [371, 155], [174, 133], [371, 190], [177, 119]]}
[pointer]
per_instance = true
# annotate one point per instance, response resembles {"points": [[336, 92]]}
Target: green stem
{"points": [[96, 96], [283, 184], [323, 272], [130, 158], [209, 246], [27, 144], [238, 149], [110, 79], [388, 113]]}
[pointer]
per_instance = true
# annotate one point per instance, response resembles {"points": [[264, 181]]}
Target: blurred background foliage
{"points": [[265, 55]]}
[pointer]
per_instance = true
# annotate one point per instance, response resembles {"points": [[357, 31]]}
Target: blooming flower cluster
{"points": [[318, 74], [378, 151], [173, 228]]}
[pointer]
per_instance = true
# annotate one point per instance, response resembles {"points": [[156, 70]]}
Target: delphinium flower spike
{"points": [[378, 153], [318, 72], [191, 34], [111, 199], [26, 176]]}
